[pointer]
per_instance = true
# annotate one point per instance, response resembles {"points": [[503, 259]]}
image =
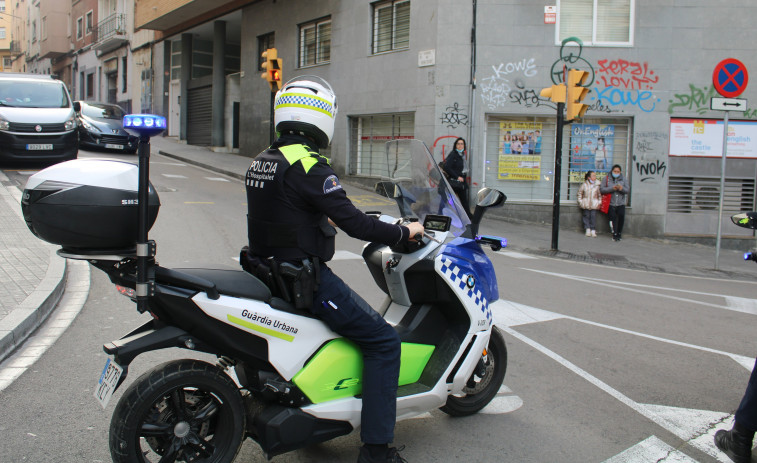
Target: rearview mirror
{"points": [[745, 220], [388, 190], [489, 197]]}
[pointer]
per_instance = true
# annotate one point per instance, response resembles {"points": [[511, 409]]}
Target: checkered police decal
{"points": [[460, 280], [304, 101]]}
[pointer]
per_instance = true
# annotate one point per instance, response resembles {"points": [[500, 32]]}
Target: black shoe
{"points": [[736, 443], [392, 456]]}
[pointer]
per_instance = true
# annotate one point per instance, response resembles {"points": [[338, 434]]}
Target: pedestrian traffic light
{"points": [[273, 69], [555, 93], [576, 93]]}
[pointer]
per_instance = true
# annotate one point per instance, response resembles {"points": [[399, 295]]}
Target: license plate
{"points": [[114, 147], [39, 146], [107, 382]]}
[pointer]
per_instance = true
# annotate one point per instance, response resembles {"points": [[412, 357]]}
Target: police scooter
{"points": [[296, 382]]}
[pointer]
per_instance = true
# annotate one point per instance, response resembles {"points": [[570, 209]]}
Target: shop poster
{"points": [[704, 138], [519, 151], [591, 148]]}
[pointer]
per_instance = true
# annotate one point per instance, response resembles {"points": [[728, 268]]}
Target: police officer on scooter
{"points": [[293, 198]]}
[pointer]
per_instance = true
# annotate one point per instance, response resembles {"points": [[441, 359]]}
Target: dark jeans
{"points": [[346, 313], [617, 215], [589, 218], [746, 414]]}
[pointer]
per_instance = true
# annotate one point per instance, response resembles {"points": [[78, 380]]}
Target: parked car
{"points": [[101, 126], [37, 119]]}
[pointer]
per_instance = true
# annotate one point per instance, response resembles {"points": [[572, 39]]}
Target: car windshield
{"points": [[414, 180], [102, 111], [33, 94]]}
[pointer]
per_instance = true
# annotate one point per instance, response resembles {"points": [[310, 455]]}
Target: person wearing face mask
{"points": [[616, 185], [589, 200], [454, 166]]}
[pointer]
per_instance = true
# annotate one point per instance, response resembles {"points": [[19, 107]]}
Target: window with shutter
{"points": [[315, 42], [596, 22], [391, 26]]}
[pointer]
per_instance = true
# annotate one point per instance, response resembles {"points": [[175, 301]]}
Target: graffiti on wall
{"points": [[453, 116], [647, 158], [630, 75], [570, 58], [505, 84], [694, 99], [644, 100]]}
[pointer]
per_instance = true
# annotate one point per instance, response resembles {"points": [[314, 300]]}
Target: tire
{"points": [[481, 390], [146, 424]]}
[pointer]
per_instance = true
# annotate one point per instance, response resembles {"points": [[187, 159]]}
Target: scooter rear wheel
{"points": [[480, 390], [184, 410]]}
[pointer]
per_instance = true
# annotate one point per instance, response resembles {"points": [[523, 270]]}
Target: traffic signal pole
{"points": [[558, 176]]}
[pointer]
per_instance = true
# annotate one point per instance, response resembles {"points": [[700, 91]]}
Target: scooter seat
{"points": [[235, 283]]}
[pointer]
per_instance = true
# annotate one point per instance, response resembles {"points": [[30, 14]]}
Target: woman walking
{"points": [[589, 200]]}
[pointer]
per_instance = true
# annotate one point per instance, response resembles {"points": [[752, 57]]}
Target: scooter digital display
{"points": [[437, 223]]}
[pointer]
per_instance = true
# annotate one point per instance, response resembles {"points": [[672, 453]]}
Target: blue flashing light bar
{"points": [[145, 124], [747, 256]]}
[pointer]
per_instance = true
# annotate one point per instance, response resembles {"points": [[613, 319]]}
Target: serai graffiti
{"points": [[621, 73]]}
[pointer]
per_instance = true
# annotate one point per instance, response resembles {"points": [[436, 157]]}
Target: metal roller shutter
{"points": [[199, 118]]}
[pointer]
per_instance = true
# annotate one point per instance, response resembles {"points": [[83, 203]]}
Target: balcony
{"points": [[111, 33], [15, 47]]}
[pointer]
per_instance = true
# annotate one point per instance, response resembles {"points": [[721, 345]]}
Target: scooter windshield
{"points": [[416, 182]]}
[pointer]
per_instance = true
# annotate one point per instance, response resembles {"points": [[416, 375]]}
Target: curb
{"points": [[236, 175], [24, 319]]}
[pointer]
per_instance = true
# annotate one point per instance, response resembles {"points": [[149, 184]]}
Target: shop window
{"points": [[391, 26], [520, 155], [368, 137], [596, 22], [315, 42]]}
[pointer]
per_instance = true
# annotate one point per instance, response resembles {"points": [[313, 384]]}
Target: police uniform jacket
{"points": [[291, 193]]}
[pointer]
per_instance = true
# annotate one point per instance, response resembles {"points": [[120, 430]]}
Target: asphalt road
{"points": [[605, 364]]}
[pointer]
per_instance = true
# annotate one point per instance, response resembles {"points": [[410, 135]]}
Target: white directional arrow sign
{"points": [[728, 104]]}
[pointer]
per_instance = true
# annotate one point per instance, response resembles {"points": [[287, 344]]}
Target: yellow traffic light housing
{"points": [[576, 93], [272, 68], [555, 93]]}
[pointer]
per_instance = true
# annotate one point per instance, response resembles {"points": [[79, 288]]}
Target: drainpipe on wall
{"points": [[472, 104]]}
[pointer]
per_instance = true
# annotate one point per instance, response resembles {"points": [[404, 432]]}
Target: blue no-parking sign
{"points": [[730, 77]]}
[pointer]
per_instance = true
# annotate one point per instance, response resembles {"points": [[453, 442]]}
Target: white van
{"points": [[37, 119]]}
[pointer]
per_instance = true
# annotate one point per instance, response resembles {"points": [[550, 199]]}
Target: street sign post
{"points": [[730, 79]]}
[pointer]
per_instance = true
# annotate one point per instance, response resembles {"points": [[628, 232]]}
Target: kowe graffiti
{"points": [[648, 145], [454, 116], [498, 89]]}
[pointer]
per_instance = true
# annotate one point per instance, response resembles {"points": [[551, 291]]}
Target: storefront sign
{"points": [[704, 138]]}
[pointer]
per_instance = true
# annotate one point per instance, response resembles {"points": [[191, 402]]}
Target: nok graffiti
{"points": [[650, 170]]}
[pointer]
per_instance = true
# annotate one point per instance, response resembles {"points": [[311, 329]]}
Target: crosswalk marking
{"points": [[651, 449]]}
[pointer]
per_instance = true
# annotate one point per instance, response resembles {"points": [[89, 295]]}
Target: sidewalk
{"points": [[32, 276]]}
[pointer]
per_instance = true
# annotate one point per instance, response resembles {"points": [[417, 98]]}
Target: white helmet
{"points": [[306, 105]]}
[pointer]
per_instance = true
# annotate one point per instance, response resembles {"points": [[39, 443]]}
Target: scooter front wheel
{"points": [[184, 410], [485, 382]]}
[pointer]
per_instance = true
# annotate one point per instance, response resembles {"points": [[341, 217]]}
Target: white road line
{"points": [[217, 179], [173, 176], [685, 431], [514, 254], [71, 303], [508, 313], [345, 255], [651, 449], [619, 285]]}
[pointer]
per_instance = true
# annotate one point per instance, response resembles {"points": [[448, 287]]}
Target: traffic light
{"points": [[576, 93], [273, 69], [555, 93]]}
